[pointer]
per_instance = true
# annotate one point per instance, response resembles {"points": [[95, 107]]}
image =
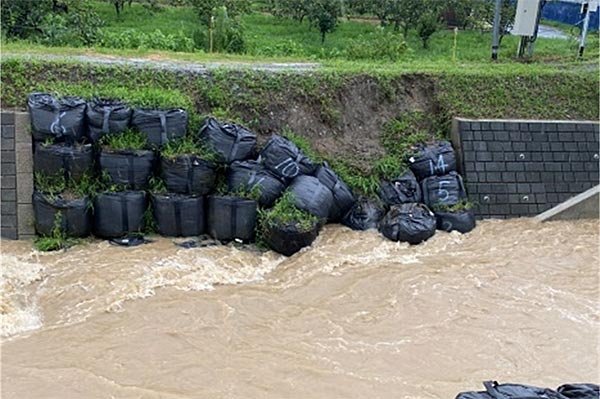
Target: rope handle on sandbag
{"points": [[177, 206], [233, 218], [56, 127], [163, 126], [107, 111], [234, 147], [66, 167], [190, 174], [130, 171], [124, 215]]}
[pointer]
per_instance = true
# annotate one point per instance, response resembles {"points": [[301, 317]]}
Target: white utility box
{"points": [[526, 17]]}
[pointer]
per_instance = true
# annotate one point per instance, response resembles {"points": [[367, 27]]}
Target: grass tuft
{"points": [[128, 140]]}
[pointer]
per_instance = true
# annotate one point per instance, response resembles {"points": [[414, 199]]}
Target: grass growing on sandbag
{"points": [[56, 185], [188, 146], [241, 192], [462, 205], [284, 212], [55, 241], [128, 140], [303, 145]]}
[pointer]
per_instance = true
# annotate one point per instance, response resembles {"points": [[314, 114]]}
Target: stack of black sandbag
{"points": [[57, 119], [343, 199], [250, 175], [231, 218], [229, 141], [132, 168], [107, 116], [71, 161], [188, 174], [493, 390], [70, 215], [312, 196], [284, 159], [178, 215], [118, 214], [160, 125], [365, 214]]}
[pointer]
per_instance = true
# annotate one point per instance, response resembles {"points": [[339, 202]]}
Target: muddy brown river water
{"points": [[355, 316]]}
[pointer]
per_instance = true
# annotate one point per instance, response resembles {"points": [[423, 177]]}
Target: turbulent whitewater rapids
{"points": [[354, 316]]}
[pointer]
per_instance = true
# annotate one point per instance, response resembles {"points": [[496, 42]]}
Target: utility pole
{"points": [[496, 31], [586, 23]]}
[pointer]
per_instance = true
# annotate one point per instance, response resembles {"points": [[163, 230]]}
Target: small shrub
{"points": [[57, 240], [127, 140], [227, 34], [157, 40], [390, 167]]}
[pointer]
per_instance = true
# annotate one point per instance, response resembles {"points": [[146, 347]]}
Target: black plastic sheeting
{"points": [[160, 126], [311, 196], [433, 159], [445, 190], [188, 174], [249, 174], [412, 223], [75, 215], [579, 391], [106, 116], [60, 119], [231, 218], [493, 390], [231, 142], [283, 158], [365, 214], [132, 168], [178, 215], [288, 239], [461, 221], [70, 161], [402, 190], [120, 213], [343, 199]]}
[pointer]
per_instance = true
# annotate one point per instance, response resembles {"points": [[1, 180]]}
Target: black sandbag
{"points": [[462, 221], [283, 158], [580, 391], [231, 218], [178, 215], [106, 116], [246, 175], [365, 214], [443, 190], [289, 239], [412, 223], [188, 174], [403, 189], [160, 126], [133, 240], [343, 199], [130, 167], [229, 141], [434, 159], [61, 119], [71, 161], [510, 391], [75, 215], [120, 213], [311, 196]]}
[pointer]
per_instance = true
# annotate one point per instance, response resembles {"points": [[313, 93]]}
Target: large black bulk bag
{"points": [[402, 190], [343, 199], [71, 161], [231, 218], [229, 141], [178, 215], [283, 158], [511, 391], [130, 167], [60, 119], [289, 238], [75, 215], [365, 214], [120, 213], [433, 159], [188, 174], [160, 126], [412, 223], [443, 190], [580, 391], [311, 196], [462, 221], [106, 116], [246, 175]]}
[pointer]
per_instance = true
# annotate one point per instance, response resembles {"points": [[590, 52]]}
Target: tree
{"points": [[428, 24], [323, 15], [294, 9], [206, 8], [23, 18], [483, 10], [119, 4]]}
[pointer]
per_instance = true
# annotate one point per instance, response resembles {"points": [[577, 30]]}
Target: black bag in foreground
{"points": [[411, 223], [289, 239], [462, 221], [106, 116], [283, 158], [72, 215], [60, 119], [311, 196], [178, 215], [230, 142], [188, 174], [231, 218], [119, 213], [443, 190], [71, 161], [434, 159], [493, 390], [160, 126], [343, 199], [365, 214], [402, 190], [246, 175], [579, 391], [132, 168]]}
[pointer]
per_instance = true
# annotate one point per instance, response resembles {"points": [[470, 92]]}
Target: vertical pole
{"points": [[586, 23], [496, 32], [532, 40]]}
